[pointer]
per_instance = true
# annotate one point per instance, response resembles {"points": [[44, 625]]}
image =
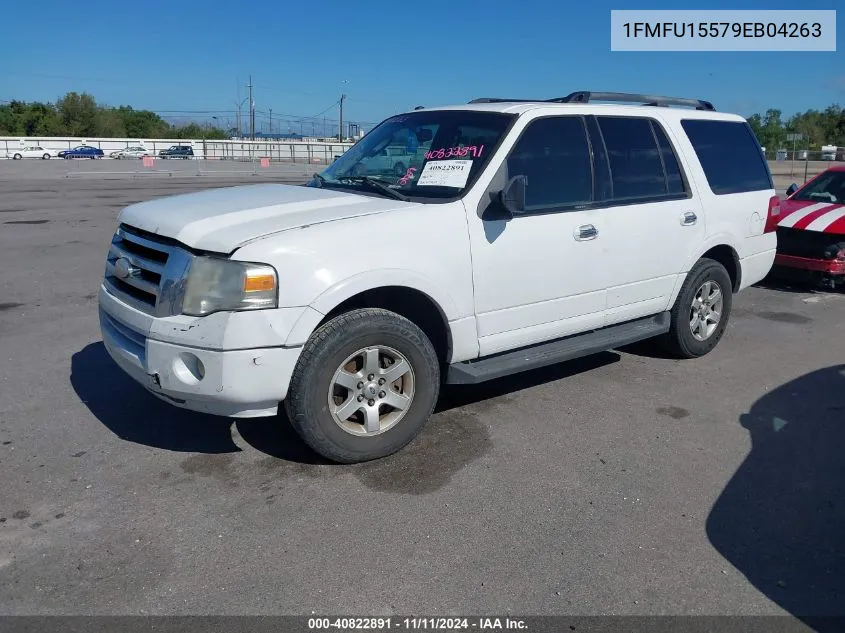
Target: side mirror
{"points": [[512, 197], [791, 189]]}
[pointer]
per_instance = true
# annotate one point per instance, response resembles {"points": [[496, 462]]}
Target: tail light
{"points": [[774, 214]]}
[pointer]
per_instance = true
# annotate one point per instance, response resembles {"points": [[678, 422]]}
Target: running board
{"points": [[557, 351]]}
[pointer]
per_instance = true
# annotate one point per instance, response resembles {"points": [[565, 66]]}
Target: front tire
{"points": [[701, 312], [45, 157], [364, 386], [17, 157]]}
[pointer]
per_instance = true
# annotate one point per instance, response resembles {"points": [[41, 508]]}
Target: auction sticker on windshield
{"points": [[445, 173]]}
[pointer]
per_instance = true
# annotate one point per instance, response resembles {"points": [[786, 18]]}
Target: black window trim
{"points": [[660, 154], [613, 201], [754, 139], [672, 148]]}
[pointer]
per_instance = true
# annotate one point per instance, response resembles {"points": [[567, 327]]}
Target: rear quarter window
{"points": [[730, 156]]}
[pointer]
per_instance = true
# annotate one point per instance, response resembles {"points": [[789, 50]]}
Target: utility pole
{"points": [[340, 127], [251, 111], [271, 120]]}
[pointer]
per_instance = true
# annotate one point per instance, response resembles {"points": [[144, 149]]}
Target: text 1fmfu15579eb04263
{"points": [[746, 30]]}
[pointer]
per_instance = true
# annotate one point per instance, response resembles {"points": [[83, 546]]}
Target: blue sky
{"points": [[181, 55]]}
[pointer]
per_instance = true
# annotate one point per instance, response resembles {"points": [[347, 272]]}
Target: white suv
{"points": [[524, 233]]}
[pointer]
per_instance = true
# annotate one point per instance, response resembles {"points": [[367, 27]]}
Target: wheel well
{"points": [[412, 304], [728, 258]]}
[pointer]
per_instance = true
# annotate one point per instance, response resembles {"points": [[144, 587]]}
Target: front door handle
{"points": [[586, 232], [689, 218]]}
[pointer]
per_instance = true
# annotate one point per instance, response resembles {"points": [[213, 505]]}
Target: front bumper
{"points": [[238, 383], [829, 266]]}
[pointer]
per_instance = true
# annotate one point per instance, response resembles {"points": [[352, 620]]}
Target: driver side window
{"points": [[554, 155]]}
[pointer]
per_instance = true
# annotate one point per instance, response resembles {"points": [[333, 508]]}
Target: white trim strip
{"points": [[793, 218], [821, 223]]}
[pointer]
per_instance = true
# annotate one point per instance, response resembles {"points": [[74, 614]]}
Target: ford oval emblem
{"points": [[123, 268]]}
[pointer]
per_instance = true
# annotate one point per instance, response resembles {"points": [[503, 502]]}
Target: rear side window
{"points": [[636, 161], [636, 168], [729, 154]]}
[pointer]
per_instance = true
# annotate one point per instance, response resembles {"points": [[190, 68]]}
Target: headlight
{"points": [[214, 285]]}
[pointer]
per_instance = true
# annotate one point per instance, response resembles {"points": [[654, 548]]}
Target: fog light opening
{"points": [[188, 368]]}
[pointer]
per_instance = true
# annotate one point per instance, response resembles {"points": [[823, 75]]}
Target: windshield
{"points": [[423, 154], [829, 187]]}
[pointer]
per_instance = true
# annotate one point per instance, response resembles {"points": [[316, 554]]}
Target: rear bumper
{"points": [[829, 266]]}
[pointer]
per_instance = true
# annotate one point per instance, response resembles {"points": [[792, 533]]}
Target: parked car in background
{"points": [[82, 151], [31, 151], [177, 151], [811, 229], [132, 152]]}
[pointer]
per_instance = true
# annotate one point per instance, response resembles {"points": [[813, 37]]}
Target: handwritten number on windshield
{"points": [[409, 175], [455, 151]]}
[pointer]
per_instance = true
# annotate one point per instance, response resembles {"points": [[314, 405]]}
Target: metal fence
{"points": [[782, 155], [293, 151]]}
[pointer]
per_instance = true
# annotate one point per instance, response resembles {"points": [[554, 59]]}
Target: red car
{"points": [[811, 229]]}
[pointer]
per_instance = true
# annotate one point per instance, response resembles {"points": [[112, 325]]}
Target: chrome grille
{"points": [[146, 271]]}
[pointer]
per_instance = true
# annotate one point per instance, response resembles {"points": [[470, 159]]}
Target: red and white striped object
{"points": [[822, 217]]}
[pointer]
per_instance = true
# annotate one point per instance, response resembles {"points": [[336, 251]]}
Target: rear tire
{"points": [[701, 312], [338, 379]]}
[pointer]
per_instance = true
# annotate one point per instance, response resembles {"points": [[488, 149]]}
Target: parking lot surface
{"points": [[626, 483]]}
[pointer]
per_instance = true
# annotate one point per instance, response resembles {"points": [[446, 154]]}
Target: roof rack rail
{"points": [[498, 100], [584, 96]]}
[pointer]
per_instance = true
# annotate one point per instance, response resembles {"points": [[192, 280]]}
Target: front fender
{"points": [[362, 282]]}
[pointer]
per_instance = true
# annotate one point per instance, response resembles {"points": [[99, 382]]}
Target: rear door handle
{"points": [[689, 218], [586, 232]]}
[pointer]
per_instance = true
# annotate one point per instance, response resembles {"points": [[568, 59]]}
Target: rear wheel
{"points": [[364, 387], [701, 311]]}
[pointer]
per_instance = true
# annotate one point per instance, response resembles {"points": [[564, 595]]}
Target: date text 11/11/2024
{"points": [[722, 29], [419, 624]]}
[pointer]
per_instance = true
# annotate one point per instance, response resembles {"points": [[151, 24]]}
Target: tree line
{"points": [[818, 127], [80, 115]]}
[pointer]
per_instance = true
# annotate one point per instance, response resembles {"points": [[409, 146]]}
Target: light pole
{"points": [[239, 105], [340, 123], [251, 110]]}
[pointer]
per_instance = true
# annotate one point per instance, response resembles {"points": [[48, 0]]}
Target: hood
{"points": [[221, 220], [822, 217]]}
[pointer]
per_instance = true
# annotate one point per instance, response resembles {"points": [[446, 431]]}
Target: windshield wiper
{"points": [[376, 185]]}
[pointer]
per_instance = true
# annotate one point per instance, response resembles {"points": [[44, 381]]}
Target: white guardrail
{"points": [[289, 151]]}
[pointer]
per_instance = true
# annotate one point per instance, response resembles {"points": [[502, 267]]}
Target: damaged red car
{"points": [[811, 230]]}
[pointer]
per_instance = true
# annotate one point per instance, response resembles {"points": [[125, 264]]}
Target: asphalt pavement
{"points": [[626, 483]]}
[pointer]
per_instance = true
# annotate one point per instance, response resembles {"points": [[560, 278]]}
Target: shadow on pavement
{"points": [[454, 396], [781, 518], [132, 413], [135, 415]]}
